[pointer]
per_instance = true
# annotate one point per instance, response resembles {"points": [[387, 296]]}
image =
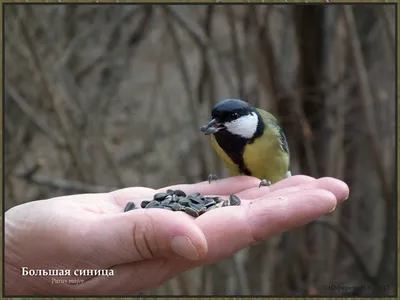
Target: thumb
{"points": [[146, 234]]}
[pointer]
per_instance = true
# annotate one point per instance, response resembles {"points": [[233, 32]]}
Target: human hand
{"points": [[146, 247]]}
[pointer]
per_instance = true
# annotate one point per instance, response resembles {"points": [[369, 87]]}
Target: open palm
{"points": [[145, 247]]}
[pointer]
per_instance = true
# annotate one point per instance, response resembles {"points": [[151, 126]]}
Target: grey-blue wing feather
{"points": [[283, 141]]}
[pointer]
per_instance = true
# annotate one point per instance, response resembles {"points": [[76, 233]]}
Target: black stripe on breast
{"points": [[233, 145]]}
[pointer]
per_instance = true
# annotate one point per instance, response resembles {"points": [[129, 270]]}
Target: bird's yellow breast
{"points": [[264, 158]]}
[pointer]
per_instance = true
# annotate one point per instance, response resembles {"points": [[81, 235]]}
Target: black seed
{"points": [[160, 196], [144, 203], [191, 212], [211, 207], [194, 200], [202, 210], [174, 198], [176, 206], [217, 199], [196, 206], [166, 202], [129, 206], [225, 203], [170, 192], [209, 200], [184, 201], [234, 200], [180, 193], [210, 203], [195, 195], [153, 204]]}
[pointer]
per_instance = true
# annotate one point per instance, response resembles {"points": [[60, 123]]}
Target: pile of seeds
{"points": [[194, 204]]}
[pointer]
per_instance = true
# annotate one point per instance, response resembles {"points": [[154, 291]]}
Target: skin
{"points": [[89, 231]]}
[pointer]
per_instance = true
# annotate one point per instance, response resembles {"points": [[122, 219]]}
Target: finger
{"points": [[257, 192], [145, 234], [233, 228], [288, 211], [226, 186], [335, 186]]}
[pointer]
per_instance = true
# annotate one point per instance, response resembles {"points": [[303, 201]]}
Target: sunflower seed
{"points": [[184, 201], [174, 198], [209, 200], [160, 196], [234, 200], [212, 207], [176, 206], [195, 195], [143, 204], [210, 203], [180, 193], [196, 200], [170, 192], [129, 206], [217, 199], [196, 206], [191, 212], [202, 210], [154, 204], [225, 203], [166, 202]]}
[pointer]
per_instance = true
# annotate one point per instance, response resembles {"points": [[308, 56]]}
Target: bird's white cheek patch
{"points": [[245, 126]]}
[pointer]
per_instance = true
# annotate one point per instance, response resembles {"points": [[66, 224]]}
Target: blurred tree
{"points": [[102, 97]]}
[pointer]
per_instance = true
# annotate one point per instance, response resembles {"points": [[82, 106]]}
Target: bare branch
{"points": [[346, 240], [188, 88], [236, 50], [33, 115], [389, 24], [202, 40], [368, 101]]}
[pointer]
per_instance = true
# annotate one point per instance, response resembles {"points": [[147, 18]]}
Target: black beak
{"points": [[212, 127]]}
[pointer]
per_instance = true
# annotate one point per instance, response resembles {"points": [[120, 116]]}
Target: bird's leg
{"points": [[212, 177], [264, 182]]}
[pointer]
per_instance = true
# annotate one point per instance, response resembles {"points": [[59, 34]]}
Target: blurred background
{"points": [[103, 97]]}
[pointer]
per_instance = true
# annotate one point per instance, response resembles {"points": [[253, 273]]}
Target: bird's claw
{"points": [[264, 182], [212, 177]]}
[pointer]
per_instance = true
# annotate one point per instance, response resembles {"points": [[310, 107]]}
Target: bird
{"points": [[249, 141]]}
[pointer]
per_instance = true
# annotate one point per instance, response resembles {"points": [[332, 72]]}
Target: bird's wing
{"points": [[270, 120], [283, 140]]}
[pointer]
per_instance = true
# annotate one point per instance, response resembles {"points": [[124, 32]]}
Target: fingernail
{"points": [[182, 246], [332, 209]]}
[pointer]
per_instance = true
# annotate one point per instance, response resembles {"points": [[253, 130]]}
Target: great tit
{"points": [[249, 140]]}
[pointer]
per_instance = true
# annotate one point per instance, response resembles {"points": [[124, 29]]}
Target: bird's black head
{"points": [[235, 116], [230, 109]]}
